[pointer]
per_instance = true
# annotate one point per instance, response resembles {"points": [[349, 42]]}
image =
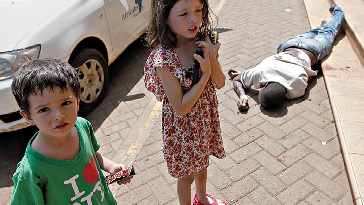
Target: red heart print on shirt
{"points": [[90, 172]]}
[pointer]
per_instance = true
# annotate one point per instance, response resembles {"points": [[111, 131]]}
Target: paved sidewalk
{"points": [[344, 77], [308, 152], [287, 156]]}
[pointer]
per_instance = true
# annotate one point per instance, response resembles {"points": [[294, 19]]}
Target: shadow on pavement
{"points": [[124, 74], [12, 149]]}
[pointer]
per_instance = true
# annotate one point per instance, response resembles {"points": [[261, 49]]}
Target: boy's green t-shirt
{"points": [[42, 180]]}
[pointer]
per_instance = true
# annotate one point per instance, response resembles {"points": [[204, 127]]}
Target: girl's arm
{"points": [[183, 103], [217, 76]]}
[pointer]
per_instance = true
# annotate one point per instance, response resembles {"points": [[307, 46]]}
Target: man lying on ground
{"points": [[286, 74]]}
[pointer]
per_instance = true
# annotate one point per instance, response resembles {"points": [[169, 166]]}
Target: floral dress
{"points": [[188, 140]]}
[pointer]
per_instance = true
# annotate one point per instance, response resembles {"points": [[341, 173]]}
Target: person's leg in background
{"points": [[327, 32]]}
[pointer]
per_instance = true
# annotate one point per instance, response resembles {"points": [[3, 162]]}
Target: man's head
{"points": [[34, 77], [272, 95]]}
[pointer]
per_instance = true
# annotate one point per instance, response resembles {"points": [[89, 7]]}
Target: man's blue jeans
{"points": [[318, 41]]}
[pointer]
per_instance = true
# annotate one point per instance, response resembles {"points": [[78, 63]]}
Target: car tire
{"points": [[93, 75]]}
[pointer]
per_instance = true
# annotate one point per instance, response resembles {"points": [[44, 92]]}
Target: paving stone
{"points": [[269, 162], [217, 177], [318, 198], [272, 131], [295, 172], [245, 152], [249, 124], [322, 165], [229, 145], [269, 181], [162, 167], [318, 120], [225, 164], [243, 169], [149, 200], [317, 132], [326, 185], [161, 188], [293, 155], [229, 130], [295, 193], [293, 139], [248, 137], [270, 145], [320, 148], [151, 160], [293, 124], [245, 201], [261, 196], [239, 189]]}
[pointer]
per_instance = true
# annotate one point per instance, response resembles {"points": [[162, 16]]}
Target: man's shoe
{"points": [[332, 7]]}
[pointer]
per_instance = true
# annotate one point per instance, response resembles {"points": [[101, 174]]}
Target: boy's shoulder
{"points": [[83, 125], [25, 168], [82, 122]]}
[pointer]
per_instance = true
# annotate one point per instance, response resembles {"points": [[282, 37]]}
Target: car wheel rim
{"points": [[91, 75]]}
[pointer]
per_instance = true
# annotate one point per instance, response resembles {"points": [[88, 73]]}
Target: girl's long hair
{"points": [[159, 32]]}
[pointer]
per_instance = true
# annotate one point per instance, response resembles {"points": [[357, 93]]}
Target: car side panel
{"points": [[127, 20], [61, 33]]}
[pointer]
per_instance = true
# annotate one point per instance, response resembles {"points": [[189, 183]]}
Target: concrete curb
{"points": [[330, 80]]}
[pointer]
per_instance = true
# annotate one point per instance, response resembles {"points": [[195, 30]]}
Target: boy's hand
{"points": [[125, 169], [118, 167], [125, 180]]}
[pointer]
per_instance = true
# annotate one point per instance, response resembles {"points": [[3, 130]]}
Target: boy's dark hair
{"points": [[273, 95], [158, 31], [35, 76]]}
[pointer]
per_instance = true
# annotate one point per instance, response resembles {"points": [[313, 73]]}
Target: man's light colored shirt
{"points": [[291, 68]]}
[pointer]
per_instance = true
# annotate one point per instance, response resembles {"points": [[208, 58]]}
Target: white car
{"points": [[89, 34]]}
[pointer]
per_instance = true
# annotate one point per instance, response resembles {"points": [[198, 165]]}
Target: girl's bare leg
{"points": [[200, 182], [184, 189]]}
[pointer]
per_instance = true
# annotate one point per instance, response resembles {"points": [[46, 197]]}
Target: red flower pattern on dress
{"points": [[188, 140]]}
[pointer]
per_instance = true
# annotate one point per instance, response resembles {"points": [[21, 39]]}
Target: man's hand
{"points": [[243, 103]]}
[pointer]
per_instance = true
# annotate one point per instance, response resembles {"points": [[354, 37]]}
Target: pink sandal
{"points": [[215, 201]]}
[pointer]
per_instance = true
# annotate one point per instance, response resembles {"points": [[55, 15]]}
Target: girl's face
{"points": [[185, 18]]}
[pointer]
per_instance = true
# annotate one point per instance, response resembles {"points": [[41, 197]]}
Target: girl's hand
{"points": [[214, 48], [204, 60]]}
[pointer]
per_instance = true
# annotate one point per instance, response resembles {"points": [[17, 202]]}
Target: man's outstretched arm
{"points": [[239, 90]]}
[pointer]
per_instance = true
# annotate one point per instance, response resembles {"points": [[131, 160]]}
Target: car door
{"points": [[125, 21]]}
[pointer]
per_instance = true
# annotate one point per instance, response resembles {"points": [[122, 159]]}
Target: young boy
{"points": [[61, 164]]}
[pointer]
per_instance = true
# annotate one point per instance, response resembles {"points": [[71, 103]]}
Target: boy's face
{"points": [[54, 112]]}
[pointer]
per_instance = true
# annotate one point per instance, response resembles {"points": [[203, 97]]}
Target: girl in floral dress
{"points": [[190, 118]]}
